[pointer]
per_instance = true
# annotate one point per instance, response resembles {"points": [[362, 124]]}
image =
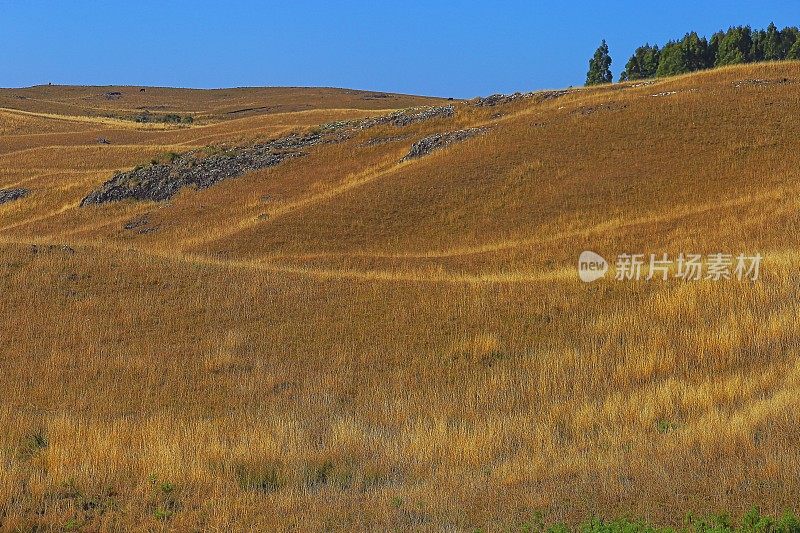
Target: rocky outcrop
{"points": [[9, 195], [162, 181], [759, 81], [141, 225], [495, 99], [377, 141], [51, 248], [405, 118], [440, 140], [499, 99], [400, 118]]}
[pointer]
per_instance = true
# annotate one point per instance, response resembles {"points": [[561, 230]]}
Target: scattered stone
{"points": [[440, 140], [249, 109], [141, 225], [36, 248], [113, 95], [384, 140], [400, 118], [665, 93], [410, 116], [498, 99], [543, 96], [588, 110], [777, 81], [137, 222], [103, 140], [376, 96], [9, 195]]}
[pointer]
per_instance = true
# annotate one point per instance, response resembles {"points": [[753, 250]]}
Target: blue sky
{"points": [[458, 49]]}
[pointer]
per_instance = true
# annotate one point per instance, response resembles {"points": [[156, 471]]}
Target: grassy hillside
{"points": [[353, 340], [204, 103]]}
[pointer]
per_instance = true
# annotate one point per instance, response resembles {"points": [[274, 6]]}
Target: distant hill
{"points": [[214, 104]]}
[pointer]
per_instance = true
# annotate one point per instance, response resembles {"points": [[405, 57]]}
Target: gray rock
{"points": [[162, 181], [400, 119], [495, 99], [384, 140], [9, 195], [777, 81], [440, 140], [49, 248], [499, 99], [404, 118], [137, 223]]}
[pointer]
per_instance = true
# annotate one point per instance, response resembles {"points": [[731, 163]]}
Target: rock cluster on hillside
{"points": [[495, 99], [9, 195], [498, 99], [161, 181], [400, 118], [759, 81], [440, 140], [404, 118]]}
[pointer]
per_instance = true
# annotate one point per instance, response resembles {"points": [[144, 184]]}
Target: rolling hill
{"points": [[370, 318]]}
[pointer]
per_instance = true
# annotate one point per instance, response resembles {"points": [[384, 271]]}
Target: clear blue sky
{"points": [[458, 49]]}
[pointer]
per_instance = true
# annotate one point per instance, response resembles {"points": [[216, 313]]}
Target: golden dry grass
{"points": [[205, 104], [348, 342]]}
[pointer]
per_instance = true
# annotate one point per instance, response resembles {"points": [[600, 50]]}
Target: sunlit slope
{"points": [[350, 341], [656, 164], [61, 157], [585, 162]]}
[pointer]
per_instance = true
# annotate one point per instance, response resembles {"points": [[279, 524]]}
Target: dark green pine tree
{"points": [[794, 51], [690, 54], [642, 64], [734, 48], [673, 60], [757, 48], [713, 46], [696, 52], [600, 66], [789, 36], [772, 44]]}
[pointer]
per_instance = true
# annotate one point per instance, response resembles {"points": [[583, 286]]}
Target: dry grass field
{"points": [[349, 341]]}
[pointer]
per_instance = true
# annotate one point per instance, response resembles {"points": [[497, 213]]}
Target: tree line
{"points": [[739, 44]]}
